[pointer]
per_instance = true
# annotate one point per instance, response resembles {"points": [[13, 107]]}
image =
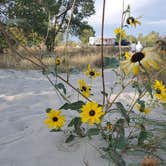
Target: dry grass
{"points": [[79, 57]]}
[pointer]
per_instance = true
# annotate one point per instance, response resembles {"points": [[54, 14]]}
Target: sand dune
{"points": [[24, 138]]}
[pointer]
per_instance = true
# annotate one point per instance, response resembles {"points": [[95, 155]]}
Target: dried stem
{"points": [[66, 42], [121, 26], [102, 56]]}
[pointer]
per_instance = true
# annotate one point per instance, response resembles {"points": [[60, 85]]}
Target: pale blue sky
{"points": [[153, 14]]}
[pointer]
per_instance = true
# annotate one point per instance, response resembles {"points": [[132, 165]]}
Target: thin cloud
{"points": [[158, 22]]}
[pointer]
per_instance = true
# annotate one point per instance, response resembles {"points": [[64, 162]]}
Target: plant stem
{"points": [[121, 26], [62, 79], [66, 42], [125, 86], [102, 56]]}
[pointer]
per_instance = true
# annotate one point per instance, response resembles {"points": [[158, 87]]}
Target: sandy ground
{"points": [[24, 138]]}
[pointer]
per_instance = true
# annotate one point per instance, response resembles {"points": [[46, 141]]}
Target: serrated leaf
{"points": [[61, 86], [73, 106], [111, 62], [123, 111], [92, 131], [70, 138]]}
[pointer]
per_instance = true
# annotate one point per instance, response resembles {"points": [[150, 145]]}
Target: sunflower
{"points": [[143, 110], [57, 61], [160, 90], [54, 120], [134, 61], [109, 126], [91, 113], [85, 89], [120, 32], [92, 73], [133, 21]]}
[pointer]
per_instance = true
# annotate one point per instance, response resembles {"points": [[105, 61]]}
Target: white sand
{"points": [[24, 138]]}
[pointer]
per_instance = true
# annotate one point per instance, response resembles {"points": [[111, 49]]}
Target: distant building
{"points": [[97, 41], [139, 47]]}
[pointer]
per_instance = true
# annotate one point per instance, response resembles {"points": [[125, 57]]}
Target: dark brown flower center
{"points": [[141, 110], [158, 91], [130, 20], [91, 112], [83, 88], [55, 119], [137, 57], [91, 73]]}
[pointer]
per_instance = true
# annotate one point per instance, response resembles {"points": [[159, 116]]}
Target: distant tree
{"points": [[47, 18], [86, 33], [150, 39], [59, 38], [131, 38], [3, 43], [140, 37]]}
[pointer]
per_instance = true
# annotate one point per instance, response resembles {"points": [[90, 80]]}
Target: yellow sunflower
{"points": [[120, 32], [91, 113], [57, 61], [134, 61], [143, 110], [160, 91], [91, 72], [55, 119], [133, 21], [85, 89]]}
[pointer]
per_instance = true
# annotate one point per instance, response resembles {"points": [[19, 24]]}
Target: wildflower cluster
{"points": [[127, 130]]}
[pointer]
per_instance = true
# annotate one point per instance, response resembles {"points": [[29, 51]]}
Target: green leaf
{"points": [[123, 111], [15, 21], [55, 130], [121, 142], [70, 138], [48, 110], [92, 131], [74, 70], [61, 86], [117, 158], [111, 62], [49, 70], [142, 104], [73, 106], [75, 122], [142, 137]]}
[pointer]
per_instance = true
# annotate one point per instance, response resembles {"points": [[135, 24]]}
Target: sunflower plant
{"points": [[123, 125]]}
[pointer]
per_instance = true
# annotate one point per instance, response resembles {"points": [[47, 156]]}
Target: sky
{"points": [[153, 13]]}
